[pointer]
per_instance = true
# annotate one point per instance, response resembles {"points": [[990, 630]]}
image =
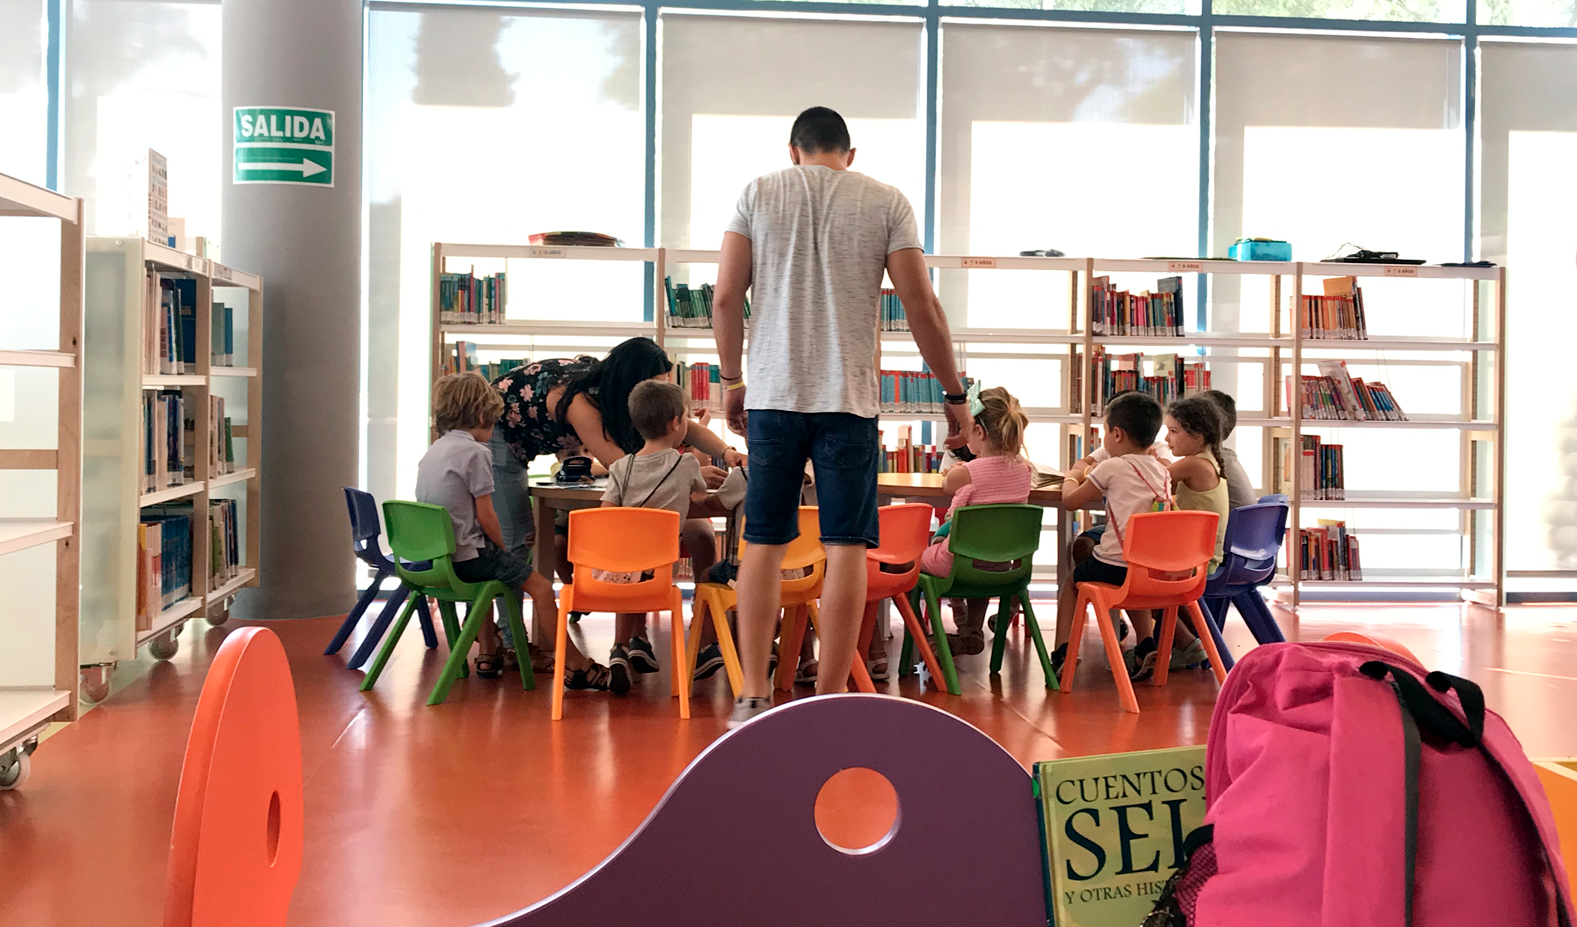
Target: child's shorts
{"points": [[495, 563], [1092, 570]]}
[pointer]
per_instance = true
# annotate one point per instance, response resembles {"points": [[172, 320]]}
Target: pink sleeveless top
{"points": [[992, 480]]}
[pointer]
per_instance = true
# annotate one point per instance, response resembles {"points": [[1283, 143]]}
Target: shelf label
{"points": [[545, 252], [978, 262], [1394, 270], [284, 144], [1185, 267], [222, 272]]}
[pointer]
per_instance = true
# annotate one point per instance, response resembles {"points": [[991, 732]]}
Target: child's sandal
{"points": [[596, 676], [489, 665]]}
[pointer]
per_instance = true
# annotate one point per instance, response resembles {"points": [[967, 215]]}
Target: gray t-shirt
{"points": [[453, 472], [819, 244], [1240, 489], [655, 481]]}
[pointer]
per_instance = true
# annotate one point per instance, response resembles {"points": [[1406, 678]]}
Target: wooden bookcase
{"points": [[1056, 339], [117, 311], [41, 432]]}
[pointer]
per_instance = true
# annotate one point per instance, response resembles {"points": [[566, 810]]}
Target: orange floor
{"points": [[454, 815]]}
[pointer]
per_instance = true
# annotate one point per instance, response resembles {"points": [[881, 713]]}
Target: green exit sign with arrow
{"points": [[284, 144]]}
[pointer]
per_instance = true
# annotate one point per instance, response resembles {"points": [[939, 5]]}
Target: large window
{"points": [[1527, 200], [24, 91], [144, 75], [491, 125]]}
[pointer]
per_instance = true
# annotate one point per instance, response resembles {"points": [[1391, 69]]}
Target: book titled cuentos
{"points": [[1113, 829]]}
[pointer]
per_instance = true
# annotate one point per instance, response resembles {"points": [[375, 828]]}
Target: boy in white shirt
{"points": [[1132, 481]]}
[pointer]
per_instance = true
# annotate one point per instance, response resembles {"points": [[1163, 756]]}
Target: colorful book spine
{"points": [[466, 299]]}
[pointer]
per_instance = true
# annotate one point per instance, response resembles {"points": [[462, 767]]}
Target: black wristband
{"points": [[955, 399]]}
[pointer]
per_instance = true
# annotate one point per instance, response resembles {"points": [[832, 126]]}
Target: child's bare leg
{"points": [[1143, 620], [627, 625], [544, 620], [700, 540], [976, 612], [1067, 598], [488, 638]]}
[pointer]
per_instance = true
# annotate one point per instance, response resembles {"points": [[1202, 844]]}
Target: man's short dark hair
{"points": [[819, 130], [654, 404], [1227, 406], [1137, 414]]}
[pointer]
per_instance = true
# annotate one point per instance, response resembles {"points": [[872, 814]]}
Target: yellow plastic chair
{"points": [[714, 601], [623, 540]]}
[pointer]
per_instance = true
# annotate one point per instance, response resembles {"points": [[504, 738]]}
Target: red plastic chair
{"points": [[623, 540], [1168, 554], [906, 530], [235, 848]]}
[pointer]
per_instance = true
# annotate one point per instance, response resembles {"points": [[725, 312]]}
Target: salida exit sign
{"points": [[284, 144]]}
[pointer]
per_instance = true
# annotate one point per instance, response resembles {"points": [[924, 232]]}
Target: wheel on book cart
{"points": [[166, 645], [15, 764], [96, 681]]}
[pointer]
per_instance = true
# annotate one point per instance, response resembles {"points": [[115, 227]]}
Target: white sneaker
{"points": [[746, 709]]}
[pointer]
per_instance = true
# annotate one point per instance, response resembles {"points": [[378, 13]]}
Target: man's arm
{"points": [[928, 325], [728, 323]]}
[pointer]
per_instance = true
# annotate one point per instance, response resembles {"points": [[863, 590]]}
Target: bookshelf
{"points": [[39, 545], [1265, 358], [159, 446]]}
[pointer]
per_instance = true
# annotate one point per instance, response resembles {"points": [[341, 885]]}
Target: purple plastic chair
{"points": [[1253, 539], [965, 847], [365, 530]]}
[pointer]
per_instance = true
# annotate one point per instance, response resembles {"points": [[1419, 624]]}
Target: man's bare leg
{"points": [[760, 599], [842, 609]]}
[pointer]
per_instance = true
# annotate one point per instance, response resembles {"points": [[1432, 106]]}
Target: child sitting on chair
{"points": [[997, 474], [457, 473], [1131, 480], [657, 476], [1240, 489]]}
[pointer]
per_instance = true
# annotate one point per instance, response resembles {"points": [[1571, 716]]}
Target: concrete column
{"points": [[306, 242]]}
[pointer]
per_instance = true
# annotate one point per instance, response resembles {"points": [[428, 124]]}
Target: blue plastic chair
{"points": [[364, 531], [1254, 536]]}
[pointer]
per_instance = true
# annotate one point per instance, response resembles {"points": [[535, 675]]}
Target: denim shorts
{"points": [[492, 563], [1091, 570], [511, 495], [843, 449]]}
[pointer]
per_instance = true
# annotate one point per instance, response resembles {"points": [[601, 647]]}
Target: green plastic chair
{"points": [[987, 534], [419, 532]]}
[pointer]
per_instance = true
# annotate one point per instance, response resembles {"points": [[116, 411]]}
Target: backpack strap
{"points": [[1163, 497]]}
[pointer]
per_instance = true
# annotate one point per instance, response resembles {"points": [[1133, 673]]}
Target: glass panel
{"points": [[1529, 141], [1559, 13], [463, 75], [719, 134], [144, 75], [24, 90], [1435, 11], [1028, 108], [1105, 6], [1320, 166]]}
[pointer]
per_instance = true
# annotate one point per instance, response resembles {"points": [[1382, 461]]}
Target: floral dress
{"points": [[527, 425]]}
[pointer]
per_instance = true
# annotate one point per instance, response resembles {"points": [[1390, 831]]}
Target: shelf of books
{"points": [[173, 402], [1107, 326], [40, 461]]}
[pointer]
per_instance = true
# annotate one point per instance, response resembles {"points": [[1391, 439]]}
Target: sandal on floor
{"points": [[967, 643], [489, 665], [878, 669], [541, 660], [806, 674], [511, 659], [596, 676]]}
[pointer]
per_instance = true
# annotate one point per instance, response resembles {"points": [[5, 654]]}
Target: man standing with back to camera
{"points": [[813, 241]]}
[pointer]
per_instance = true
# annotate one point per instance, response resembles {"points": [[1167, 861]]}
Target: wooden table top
{"points": [[906, 485], [929, 486]]}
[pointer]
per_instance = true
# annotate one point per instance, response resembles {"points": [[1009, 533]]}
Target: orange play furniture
{"points": [[623, 540], [906, 529], [713, 602], [1375, 639], [1168, 555], [235, 847]]}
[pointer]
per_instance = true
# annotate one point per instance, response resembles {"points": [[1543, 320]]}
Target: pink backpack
{"points": [[1347, 787]]}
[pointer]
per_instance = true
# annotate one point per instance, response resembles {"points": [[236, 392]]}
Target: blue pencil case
{"points": [[1259, 249]]}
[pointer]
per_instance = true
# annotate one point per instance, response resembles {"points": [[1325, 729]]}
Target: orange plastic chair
{"points": [[714, 601], [1168, 554], [1375, 639], [235, 848], [623, 540], [906, 530]]}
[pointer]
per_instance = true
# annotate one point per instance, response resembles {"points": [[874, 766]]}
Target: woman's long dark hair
{"points": [[607, 384]]}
